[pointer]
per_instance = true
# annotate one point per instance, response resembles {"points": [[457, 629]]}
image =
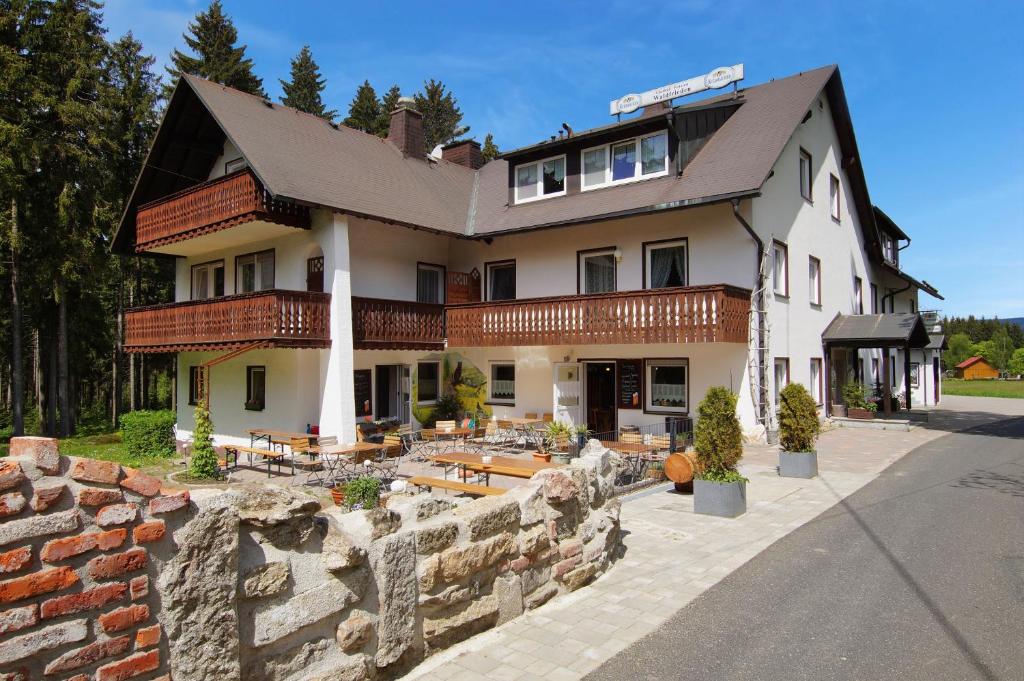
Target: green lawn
{"points": [[108, 447], [990, 388]]}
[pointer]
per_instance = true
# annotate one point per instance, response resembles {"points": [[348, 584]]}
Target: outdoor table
{"points": [[360, 451], [633, 452], [524, 425], [498, 465], [451, 435], [275, 437]]}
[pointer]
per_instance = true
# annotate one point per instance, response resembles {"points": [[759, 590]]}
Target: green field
{"points": [[956, 386], [108, 447]]}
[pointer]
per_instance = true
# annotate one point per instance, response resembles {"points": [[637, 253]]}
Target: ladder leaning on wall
{"points": [[758, 348]]}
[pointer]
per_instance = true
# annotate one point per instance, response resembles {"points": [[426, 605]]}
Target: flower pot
{"points": [[798, 464], [542, 456], [858, 413], [560, 458], [839, 410], [724, 499], [338, 495]]}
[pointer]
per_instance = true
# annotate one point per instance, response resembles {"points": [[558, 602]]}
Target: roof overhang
{"points": [[920, 284], [899, 329]]}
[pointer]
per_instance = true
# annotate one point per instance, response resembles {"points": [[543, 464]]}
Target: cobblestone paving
{"points": [[673, 555]]}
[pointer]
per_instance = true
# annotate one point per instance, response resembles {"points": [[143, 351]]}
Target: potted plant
{"points": [[557, 436], [580, 434], [718, 487], [655, 470], [360, 493], [798, 431], [542, 453], [856, 404]]}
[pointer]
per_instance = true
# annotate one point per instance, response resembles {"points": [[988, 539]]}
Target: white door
{"points": [[567, 397]]}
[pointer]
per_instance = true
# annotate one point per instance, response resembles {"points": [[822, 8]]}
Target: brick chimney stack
{"points": [[406, 130], [466, 153]]}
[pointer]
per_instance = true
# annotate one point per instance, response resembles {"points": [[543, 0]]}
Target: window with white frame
{"points": [[502, 386], [874, 299], [640, 158], [501, 280], [597, 271], [833, 197], [874, 371], [255, 388], [667, 385], [665, 263], [888, 248], [195, 387], [428, 382], [816, 380], [814, 280], [780, 268], [805, 176], [540, 179], [208, 280], [429, 283], [254, 272], [915, 371], [858, 295], [781, 376]]}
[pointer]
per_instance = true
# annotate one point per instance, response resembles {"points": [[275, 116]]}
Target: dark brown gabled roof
{"points": [[876, 330]]}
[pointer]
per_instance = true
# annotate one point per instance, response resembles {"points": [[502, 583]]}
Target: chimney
{"points": [[465, 153], [406, 130]]}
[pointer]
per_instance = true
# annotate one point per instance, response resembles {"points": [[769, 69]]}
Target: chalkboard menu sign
{"points": [[364, 396], [631, 383]]}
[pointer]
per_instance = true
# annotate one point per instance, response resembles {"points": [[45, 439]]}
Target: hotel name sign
{"points": [[718, 78]]}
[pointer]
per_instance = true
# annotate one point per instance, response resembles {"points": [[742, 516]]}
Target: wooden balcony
{"points": [[211, 207], [690, 314], [276, 318], [396, 325]]}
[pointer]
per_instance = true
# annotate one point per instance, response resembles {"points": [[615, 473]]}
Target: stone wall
{"points": [[81, 542], [261, 583]]}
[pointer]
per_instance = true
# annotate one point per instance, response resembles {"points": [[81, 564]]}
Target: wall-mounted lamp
{"points": [[617, 254]]}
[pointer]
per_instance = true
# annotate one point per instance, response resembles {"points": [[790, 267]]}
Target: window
{"points": [[254, 272], [636, 159], [816, 385], [597, 271], [667, 385], [780, 268], [427, 382], [915, 369], [874, 371], [814, 280], [781, 376], [912, 306], [805, 175], [255, 388], [502, 387], [858, 296], [833, 196], [888, 248], [874, 299], [665, 263], [233, 165], [195, 384], [429, 283], [540, 180], [501, 280], [208, 280]]}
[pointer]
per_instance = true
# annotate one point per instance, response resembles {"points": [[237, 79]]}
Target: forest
{"points": [[1001, 342], [78, 114]]}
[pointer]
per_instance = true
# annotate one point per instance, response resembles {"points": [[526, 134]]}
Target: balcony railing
{"points": [[281, 318], [210, 207], [692, 314], [396, 324]]}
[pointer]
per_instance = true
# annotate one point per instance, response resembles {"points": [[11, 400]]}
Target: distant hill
{"points": [[1019, 321]]}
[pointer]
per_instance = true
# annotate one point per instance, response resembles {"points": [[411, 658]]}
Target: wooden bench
{"points": [[455, 486], [269, 455]]}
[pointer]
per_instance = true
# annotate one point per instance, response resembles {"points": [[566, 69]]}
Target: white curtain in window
{"points": [[599, 273], [428, 285], [668, 267]]}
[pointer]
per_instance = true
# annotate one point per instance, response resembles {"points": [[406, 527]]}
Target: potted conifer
{"points": [[798, 431], [857, 406], [718, 488]]}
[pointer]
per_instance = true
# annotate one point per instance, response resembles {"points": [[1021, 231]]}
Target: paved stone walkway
{"points": [[673, 555]]}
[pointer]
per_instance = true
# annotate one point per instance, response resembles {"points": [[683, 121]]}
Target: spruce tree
{"points": [[212, 38], [203, 464], [388, 104], [490, 149], [302, 92], [364, 111], [441, 114]]}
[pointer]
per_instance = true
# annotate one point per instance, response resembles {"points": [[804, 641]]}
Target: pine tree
{"points": [[212, 38], [203, 464], [388, 104], [490, 149], [364, 111], [303, 91], [441, 114]]}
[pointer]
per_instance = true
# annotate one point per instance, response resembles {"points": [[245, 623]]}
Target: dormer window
{"points": [[640, 158], [540, 180], [888, 248]]}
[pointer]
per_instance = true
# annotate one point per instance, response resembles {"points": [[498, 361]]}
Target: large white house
{"points": [[609, 276]]}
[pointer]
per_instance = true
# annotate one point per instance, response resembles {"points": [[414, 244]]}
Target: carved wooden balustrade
{"points": [[691, 314], [396, 324], [210, 207], [280, 318]]}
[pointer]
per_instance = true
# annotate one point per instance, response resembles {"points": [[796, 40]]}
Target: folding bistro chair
{"points": [[318, 469], [385, 465]]}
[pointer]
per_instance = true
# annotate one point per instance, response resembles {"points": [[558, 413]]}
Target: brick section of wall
{"points": [[75, 567]]}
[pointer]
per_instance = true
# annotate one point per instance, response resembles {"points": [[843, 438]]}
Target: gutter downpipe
{"points": [[762, 402], [892, 295]]}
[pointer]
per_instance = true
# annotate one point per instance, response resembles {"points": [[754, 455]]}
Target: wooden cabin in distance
{"points": [[974, 368]]}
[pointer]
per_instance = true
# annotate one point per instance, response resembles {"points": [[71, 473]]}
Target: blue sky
{"points": [[936, 89]]}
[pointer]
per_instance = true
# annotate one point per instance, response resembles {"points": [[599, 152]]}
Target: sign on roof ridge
{"points": [[715, 79]]}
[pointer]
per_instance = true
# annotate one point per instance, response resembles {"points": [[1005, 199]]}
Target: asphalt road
{"points": [[918, 575]]}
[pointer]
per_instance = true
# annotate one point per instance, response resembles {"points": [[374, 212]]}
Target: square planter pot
{"points": [[855, 413], [798, 464], [725, 499]]}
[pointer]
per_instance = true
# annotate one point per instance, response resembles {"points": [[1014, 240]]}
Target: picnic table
{"points": [[635, 453], [358, 452], [498, 465], [275, 437]]}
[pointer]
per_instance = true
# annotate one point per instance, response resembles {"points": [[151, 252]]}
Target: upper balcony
{"points": [[172, 224], [275, 318]]}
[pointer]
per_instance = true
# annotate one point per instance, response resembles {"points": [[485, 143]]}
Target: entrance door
{"points": [[394, 389], [315, 274], [567, 393], [600, 392]]}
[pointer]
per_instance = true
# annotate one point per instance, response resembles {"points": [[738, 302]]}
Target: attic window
{"points": [[640, 158], [540, 180]]}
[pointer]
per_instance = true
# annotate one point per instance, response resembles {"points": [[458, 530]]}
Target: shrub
{"points": [[362, 492], [148, 433], [717, 437], [447, 408], [203, 464], [853, 395], [798, 419]]}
